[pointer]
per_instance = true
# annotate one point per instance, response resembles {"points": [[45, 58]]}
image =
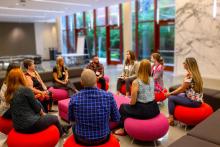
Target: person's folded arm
{"points": [[134, 92]]}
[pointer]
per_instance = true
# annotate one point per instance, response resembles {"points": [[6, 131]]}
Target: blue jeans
{"points": [[180, 99]]}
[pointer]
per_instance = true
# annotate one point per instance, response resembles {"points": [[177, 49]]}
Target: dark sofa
{"points": [[205, 134], [47, 77], [210, 96]]}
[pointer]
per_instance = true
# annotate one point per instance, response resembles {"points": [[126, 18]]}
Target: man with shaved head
{"points": [[91, 109]]}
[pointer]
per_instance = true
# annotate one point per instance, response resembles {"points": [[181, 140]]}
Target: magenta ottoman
{"points": [[63, 109], [147, 130], [58, 94]]}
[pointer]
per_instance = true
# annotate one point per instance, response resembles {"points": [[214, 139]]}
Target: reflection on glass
{"points": [[115, 44], [100, 19], [90, 33], [114, 15], [79, 20], [146, 10], [101, 39], [145, 39], [167, 43], [167, 9]]}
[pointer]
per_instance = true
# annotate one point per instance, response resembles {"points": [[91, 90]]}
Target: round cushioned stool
{"points": [[58, 94], [160, 96], [5, 125], [113, 142], [45, 138], [192, 116], [106, 86], [147, 130]]}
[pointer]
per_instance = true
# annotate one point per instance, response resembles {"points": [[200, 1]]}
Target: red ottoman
{"points": [[58, 94], [63, 108], [45, 138], [113, 142], [106, 86], [160, 96], [5, 125], [123, 89], [192, 116]]}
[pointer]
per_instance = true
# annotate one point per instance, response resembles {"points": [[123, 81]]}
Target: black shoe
{"points": [[66, 129]]}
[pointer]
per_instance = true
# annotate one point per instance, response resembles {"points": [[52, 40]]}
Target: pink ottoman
{"points": [[63, 109], [58, 94], [147, 130], [119, 100]]}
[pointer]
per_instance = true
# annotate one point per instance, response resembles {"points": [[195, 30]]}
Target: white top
{"points": [[3, 105]]}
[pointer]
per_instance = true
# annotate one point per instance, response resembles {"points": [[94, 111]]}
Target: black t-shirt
{"points": [[62, 75]]}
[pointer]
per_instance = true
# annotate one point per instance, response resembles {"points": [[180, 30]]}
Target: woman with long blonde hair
{"points": [[190, 93], [27, 113], [142, 104]]}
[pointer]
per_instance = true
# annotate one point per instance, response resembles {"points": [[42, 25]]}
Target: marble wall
{"points": [[197, 35]]}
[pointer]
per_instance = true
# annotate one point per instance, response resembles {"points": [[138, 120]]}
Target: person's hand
{"points": [[167, 94], [42, 112]]}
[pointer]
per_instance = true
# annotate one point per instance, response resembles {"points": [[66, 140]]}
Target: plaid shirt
{"points": [[92, 109], [96, 68]]}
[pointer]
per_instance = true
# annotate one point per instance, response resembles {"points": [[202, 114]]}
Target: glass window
{"points": [[100, 16], [114, 15], [101, 39], [166, 9], [145, 40], [167, 43], [133, 24], [146, 10], [79, 20], [90, 33], [115, 44]]}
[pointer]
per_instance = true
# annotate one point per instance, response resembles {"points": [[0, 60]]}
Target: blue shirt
{"points": [[92, 109]]}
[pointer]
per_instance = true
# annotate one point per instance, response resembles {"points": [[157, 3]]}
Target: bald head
{"points": [[88, 78]]}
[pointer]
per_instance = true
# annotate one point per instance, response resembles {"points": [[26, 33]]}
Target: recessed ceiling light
{"points": [[31, 10], [62, 3]]}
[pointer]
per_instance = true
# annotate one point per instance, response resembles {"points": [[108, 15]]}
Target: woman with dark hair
{"points": [[36, 84], [27, 113], [190, 93], [129, 73], [4, 107], [142, 104], [157, 71]]}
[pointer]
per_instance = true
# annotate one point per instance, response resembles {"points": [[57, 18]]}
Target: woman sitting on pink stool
{"points": [[190, 92], [142, 104]]}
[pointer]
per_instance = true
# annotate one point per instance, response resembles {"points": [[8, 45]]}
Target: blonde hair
{"points": [[88, 78], [193, 68], [144, 71], [14, 80]]}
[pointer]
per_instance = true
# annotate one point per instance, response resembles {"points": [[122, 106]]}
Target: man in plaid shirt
{"points": [[98, 68], [91, 109]]}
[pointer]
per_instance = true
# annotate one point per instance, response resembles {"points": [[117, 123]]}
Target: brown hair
{"points": [[158, 58], [27, 63], [132, 59], [193, 68], [144, 71], [15, 79], [10, 67]]}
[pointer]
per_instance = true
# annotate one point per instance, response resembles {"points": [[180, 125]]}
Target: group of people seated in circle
{"points": [[26, 100]]}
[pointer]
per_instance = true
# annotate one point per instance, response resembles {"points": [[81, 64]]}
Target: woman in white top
{"points": [[129, 73], [190, 93], [4, 107], [142, 104]]}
